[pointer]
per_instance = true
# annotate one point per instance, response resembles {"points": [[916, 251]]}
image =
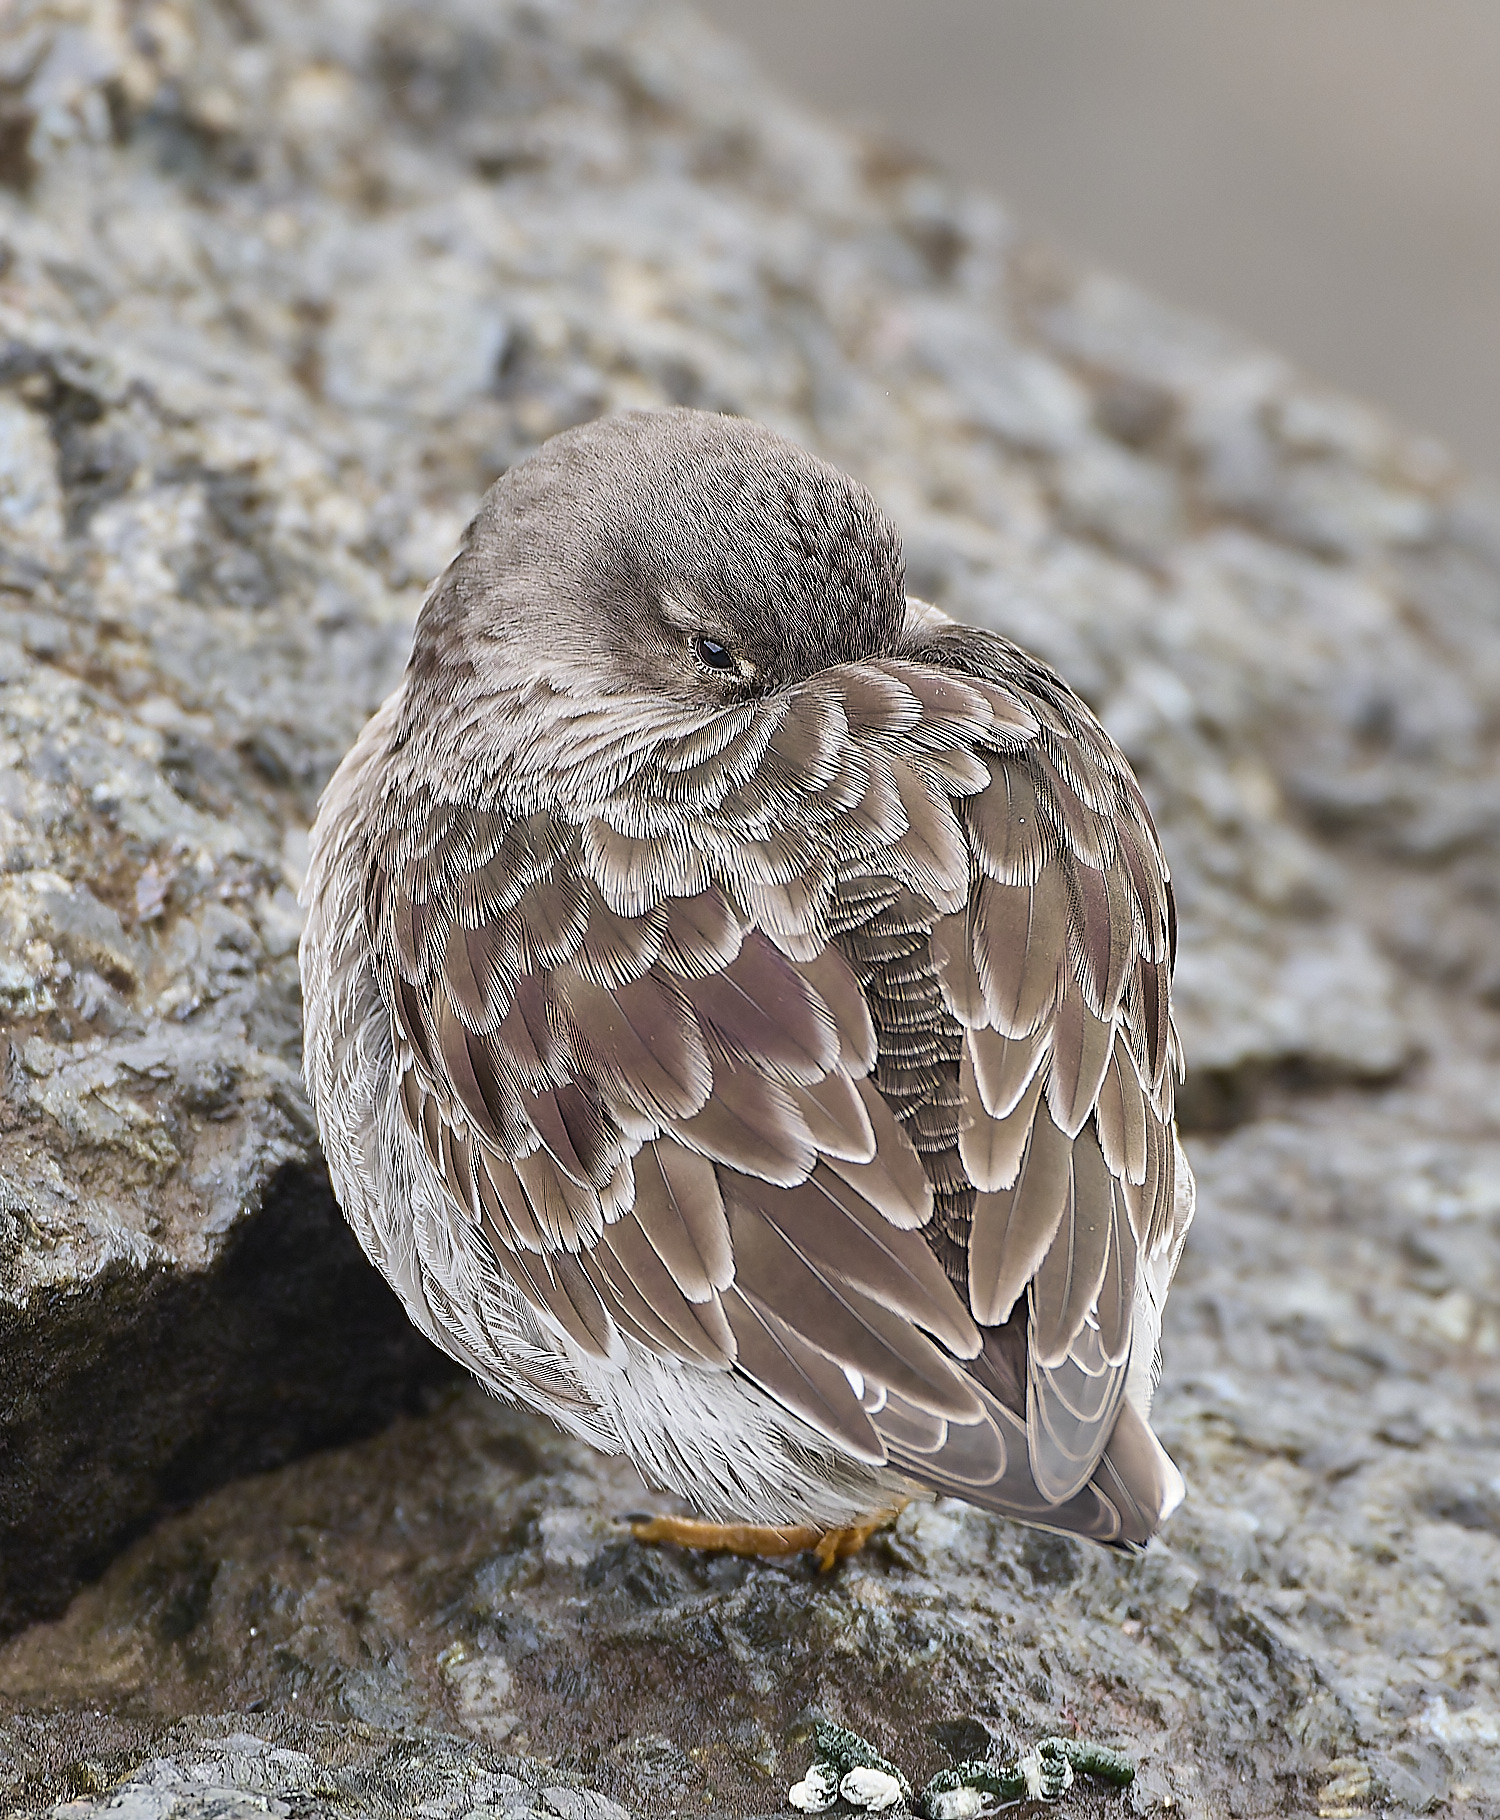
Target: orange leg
{"points": [[829, 1545]]}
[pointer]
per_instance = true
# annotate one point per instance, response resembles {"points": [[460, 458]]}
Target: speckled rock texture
{"points": [[282, 288]]}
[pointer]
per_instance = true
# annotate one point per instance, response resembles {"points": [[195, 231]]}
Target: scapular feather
{"points": [[751, 1124], [836, 987], [703, 934], [761, 1010], [642, 1041]]}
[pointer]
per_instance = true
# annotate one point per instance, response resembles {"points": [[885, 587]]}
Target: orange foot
{"points": [[829, 1545]]}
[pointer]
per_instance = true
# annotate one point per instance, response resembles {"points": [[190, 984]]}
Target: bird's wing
{"points": [[670, 1051], [1057, 970]]}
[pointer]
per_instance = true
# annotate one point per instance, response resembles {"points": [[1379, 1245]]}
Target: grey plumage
{"points": [[737, 1002]]}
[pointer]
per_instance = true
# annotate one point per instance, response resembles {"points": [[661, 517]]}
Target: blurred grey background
{"points": [[1322, 173]]}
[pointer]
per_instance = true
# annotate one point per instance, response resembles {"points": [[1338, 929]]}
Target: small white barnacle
{"points": [[872, 1789], [817, 1790], [1047, 1778], [957, 1804]]}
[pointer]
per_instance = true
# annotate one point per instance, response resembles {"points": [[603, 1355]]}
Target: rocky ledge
{"points": [[282, 288]]}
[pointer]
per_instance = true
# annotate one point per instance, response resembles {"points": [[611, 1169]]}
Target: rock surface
{"points": [[282, 287]]}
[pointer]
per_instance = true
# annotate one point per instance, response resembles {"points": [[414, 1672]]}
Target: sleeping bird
{"points": [[738, 1008]]}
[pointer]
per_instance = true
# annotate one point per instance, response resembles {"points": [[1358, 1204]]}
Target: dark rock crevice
{"points": [[153, 1387]]}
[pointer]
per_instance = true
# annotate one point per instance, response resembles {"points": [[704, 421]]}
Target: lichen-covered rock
{"points": [[218, 1768], [282, 287]]}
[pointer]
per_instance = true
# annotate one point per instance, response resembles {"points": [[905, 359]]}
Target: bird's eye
{"points": [[711, 654]]}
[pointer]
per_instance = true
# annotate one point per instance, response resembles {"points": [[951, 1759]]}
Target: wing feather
{"points": [[992, 1141], [1014, 1227], [1065, 1289], [1081, 1046], [1019, 937], [894, 1180], [751, 1123], [790, 1369], [679, 1208], [841, 1235], [850, 1327], [1004, 1067], [836, 1118], [1056, 979], [626, 1255]]}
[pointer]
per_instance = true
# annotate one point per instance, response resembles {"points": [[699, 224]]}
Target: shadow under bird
{"points": [[737, 1007]]}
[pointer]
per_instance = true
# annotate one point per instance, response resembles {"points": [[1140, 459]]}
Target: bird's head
{"points": [[680, 553]]}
